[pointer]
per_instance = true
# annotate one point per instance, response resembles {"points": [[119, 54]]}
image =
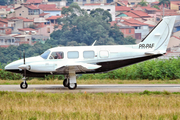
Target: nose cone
{"points": [[13, 65], [7, 67], [19, 64]]}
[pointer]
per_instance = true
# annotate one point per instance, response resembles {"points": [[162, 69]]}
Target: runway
{"points": [[96, 88]]}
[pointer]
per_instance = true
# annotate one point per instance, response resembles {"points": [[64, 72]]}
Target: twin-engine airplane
{"points": [[70, 61]]}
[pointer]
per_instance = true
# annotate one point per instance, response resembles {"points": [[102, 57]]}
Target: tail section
{"points": [[158, 39]]}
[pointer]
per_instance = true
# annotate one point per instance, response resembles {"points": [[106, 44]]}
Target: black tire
{"points": [[65, 83], [23, 85], [72, 86]]}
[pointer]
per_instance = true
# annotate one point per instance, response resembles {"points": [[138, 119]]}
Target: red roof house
{"points": [[122, 8], [53, 19], [35, 2]]}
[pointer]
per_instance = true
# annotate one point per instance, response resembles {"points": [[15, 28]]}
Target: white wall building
{"points": [[142, 31], [110, 8]]}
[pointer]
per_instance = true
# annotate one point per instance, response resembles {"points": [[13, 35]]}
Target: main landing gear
{"points": [[24, 84], [71, 86], [70, 81]]}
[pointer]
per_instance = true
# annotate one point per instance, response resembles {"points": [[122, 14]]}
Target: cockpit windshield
{"points": [[45, 54]]}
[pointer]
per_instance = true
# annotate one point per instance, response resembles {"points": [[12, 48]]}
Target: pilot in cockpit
{"points": [[58, 55]]}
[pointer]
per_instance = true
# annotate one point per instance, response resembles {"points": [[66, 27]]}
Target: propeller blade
{"points": [[24, 63], [24, 56], [20, 54]]}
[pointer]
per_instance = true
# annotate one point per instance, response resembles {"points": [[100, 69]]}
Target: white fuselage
{"points": [[76, 54]]}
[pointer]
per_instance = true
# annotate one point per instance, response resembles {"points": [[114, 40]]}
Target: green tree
{"points": [[143, 3], [129, 40], [80, 28], [164, 3], [156, 6], [106, 16], [116, 34]]}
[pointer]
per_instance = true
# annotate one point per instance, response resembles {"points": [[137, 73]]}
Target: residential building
{"points": [[3, 22], [27, 31], [138, 15], [4, 29], [3, 13], [177, 24], [167, 12], [82, 2], [15, 24], [44, 15], [36, 2], [110, 8], [174, 40], [51, 9], [59, 4], [26, 22], [120, 3], [6, 41], [28, 11], [40, 37], [134, 2], [23, 39], [127, 31], [141, 29], [175, 5], [150, 11], [121, 9], [18, 1], [151, 1], [53, 19], [45, 29]]}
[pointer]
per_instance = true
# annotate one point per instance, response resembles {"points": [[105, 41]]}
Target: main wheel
{"points": [[72, 86], [23, 85], [65, 83]]}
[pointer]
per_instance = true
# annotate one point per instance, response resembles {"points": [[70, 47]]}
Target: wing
{"points": [[77, 67]]}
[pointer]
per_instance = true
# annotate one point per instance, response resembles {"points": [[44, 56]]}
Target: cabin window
{"points": [[57, 55], [104, 54], [73, 54], [88, 54], [45, 54]]}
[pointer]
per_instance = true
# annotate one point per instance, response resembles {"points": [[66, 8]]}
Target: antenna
{"points": [[93, 43]]}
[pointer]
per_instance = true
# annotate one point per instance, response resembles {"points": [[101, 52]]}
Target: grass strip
{"points": [[106, 81], [78, 106]]}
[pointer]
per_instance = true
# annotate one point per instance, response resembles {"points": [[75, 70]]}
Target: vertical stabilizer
{"points": [[158, 38]]}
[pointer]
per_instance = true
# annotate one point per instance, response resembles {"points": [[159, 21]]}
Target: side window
{"points": [[73, 54], [104, 54], [88, 54], [57, 55]]}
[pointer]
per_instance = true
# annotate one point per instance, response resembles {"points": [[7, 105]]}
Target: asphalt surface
{"points": [[106, 88]]}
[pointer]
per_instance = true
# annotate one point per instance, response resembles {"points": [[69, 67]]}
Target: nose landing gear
{"points": [[24, 84]]}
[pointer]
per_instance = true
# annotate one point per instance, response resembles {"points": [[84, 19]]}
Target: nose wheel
{"points": [[23, 85]]}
